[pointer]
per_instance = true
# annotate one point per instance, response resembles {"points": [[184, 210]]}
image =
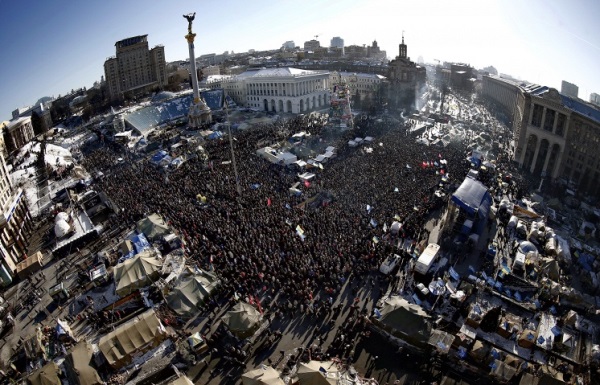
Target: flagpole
{"points": [[237, 179]]}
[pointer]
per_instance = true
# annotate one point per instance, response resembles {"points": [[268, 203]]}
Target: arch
{"points": [[301, 105], [280, 105], [320, 100], [529, 151], [273, 105], [289, 106], [541, 156], [308, 106], [266, 104], [314, 101]]}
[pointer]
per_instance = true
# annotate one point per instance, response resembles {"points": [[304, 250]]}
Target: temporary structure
{"points": [[153, 226], [265, 375], [191, 291], [46, 375], [77, 364], [318, 373], [242, 320], [139, 334], [30, 265], [405, 318], [183, 380], [137, 272]]}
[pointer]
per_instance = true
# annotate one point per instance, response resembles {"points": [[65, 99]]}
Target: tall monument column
{"points": [[200, 113]]}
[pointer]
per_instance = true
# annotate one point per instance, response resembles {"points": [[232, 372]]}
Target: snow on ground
{"points": [[75, 140], [57, 156]]}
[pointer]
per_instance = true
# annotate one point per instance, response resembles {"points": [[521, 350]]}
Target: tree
{"points": [[39, 126]]}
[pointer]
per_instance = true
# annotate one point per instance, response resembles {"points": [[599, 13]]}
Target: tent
{"points": [[46, 375], [317, 373], [153, 226], [408, 319], [30, 265], [242, 320], [265, 375], [136, 273], [183, 380], [191, 291], [138, 335], [77, 364], [473, 197]]}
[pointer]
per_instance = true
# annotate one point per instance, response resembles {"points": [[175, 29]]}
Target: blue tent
{"points": [[473, 197], [159, 156]]}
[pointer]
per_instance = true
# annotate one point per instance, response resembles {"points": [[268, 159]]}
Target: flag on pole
{"points": [[307, 183], [268, 202]]}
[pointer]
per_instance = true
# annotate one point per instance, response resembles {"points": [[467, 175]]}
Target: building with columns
{"points": [[288, 90], [555, 135], [15, 226]]}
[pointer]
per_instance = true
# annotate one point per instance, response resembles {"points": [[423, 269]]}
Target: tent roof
{"points": [[473, 197], [136, 272], [242, 317], [190, 291], [404, 316], [183, 380], [78, 366], [118, 345], [318, 373], [46, 375], [260, 376], [153, 226]]}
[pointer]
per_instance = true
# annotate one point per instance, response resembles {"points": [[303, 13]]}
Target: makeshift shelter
{"points": [[33, 346], [317, 373], [138, 335], [242, 320], [46, 375], [473, 198], [502, 371], [183, 380], [265, 375], [405, 318], [30, 265], [77, 365], [479, 351], [190, 292], [137, 272], [153, 226]]}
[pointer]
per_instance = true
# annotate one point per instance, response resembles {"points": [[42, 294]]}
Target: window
{"points": [[536, 118]]}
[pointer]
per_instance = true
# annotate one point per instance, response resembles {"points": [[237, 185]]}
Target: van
{"points": [[427, 258]]}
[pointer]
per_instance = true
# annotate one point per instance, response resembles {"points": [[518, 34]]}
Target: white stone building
{"points": [[363, 84], [289, 90]]}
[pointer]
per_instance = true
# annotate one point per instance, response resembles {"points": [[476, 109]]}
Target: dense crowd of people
{"points": [[268, 241]]}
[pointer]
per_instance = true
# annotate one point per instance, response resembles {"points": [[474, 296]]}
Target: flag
{"points": [[258, 305], [369, 208], [373, 222], [385, 228], [375, 240], [322, 370], [268, 202], [307, 183], [287, 206], [377, 313]]}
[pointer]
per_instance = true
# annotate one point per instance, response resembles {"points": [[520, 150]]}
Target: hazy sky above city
{"points": [[51, 47]]}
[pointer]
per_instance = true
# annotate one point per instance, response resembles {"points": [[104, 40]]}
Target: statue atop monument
{"points": [[190, 17]]}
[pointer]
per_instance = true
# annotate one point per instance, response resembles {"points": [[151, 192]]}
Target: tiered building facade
{"points": [[135, 67]]}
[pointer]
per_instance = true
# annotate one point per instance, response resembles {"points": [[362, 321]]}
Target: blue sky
{"points": [[51, 47]]}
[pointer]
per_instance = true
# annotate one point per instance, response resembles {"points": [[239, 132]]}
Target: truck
{"points": [[427, 258]]}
